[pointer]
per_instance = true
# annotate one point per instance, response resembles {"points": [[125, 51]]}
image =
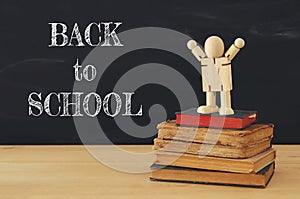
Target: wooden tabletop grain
{"points": [[71, 172]]}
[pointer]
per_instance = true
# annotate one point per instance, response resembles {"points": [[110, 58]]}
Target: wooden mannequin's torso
{"points": [[216, 74]]}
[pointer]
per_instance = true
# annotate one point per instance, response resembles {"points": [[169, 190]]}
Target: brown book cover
{"points": [[179, 174], [247, 165], [229, 137]]}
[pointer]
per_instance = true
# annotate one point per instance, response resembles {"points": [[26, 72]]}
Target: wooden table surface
{"points": [[71, 172]]}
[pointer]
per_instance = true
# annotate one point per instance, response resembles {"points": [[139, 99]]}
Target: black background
{"points": [[266, 72]]}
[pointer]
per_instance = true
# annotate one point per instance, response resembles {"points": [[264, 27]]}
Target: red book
{"points": [[239, 120]]}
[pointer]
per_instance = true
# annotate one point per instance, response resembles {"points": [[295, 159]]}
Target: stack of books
{"points": [[190, 150]]}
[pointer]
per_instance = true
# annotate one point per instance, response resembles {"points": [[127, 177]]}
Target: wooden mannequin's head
{"points": [[214, 47]]}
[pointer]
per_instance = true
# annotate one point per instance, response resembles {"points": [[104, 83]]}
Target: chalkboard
{"points": [[265, 73]]}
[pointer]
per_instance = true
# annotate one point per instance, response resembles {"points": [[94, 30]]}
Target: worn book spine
{"points": [[247, 165], [210, 150], [177, 174], [236, 138]]}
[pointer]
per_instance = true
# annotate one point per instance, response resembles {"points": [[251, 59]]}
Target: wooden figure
{"points": [[216, 72]]}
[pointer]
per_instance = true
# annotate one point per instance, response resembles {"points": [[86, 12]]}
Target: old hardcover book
{"points": [[240, 119], [247, 165], [211, 150], [179, 174], [228, 137]]}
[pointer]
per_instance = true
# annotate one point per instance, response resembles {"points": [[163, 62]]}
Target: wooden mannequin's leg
{"points": [[211, 99], [225, 108], [211, 106]]}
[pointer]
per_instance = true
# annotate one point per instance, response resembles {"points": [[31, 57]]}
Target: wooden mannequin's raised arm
{"points": [[196, 50], [239, 43]]}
